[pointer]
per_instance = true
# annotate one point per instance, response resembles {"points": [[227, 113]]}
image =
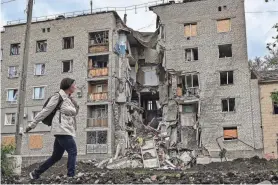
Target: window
{"points": [[12, 95], [228, 105], [34, 114], [43, 30], [162, 32], [226, 77], [188, 108], [10, 119], [68, 42], [48, 29], [275, 107], [224, 25], [97, 137], [225, 51], [150, 105], [13, 72], [219, 8], [41, 46], [15, 49], [39, 69], [38, 93], [192, 80], [230, 133], [190, 30], [67, 66], [99, 89], [191, 54], [99, 38]]}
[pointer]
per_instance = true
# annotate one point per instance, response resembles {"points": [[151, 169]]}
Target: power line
{"points": [[7, 1]]}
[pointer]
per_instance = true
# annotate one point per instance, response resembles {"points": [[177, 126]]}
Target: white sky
{"points": [[259, 25]]}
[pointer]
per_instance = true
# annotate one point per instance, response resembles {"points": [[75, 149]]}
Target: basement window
{"points": [[228, 105], [15, 49], [225, 51], [191, 54], [190, 30], [68, 42], [226, 77], [41, 46], [230, 133], [67, 66]]}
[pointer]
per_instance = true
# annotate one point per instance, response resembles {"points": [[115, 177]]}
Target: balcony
{"points": [[99, 42], [96, 97], [189, 92], [98, 72]]}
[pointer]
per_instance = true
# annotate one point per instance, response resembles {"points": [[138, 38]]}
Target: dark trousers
{"points": [[62, 143]]}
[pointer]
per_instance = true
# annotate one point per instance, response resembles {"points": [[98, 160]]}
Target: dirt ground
{"points": [[250, 171]]}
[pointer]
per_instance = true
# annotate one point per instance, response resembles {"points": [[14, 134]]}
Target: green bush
{"points": [[274, 97], [6, 167]]}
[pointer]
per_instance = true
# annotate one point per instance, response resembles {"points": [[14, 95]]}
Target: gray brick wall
{"points": [[212, 120], [79, 27]]}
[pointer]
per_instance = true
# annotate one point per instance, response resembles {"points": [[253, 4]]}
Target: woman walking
{"points": [[63, 127]]}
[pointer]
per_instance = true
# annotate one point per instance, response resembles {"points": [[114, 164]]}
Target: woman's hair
{"points": [[66, 83]]}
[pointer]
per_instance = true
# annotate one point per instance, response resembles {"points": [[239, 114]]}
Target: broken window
{"points": [[190, 30], [41, 46], [228, 105], [99, 42], [67, 66], [43, 30], [225, 50], [223, 25], [192, 81], [48, 29], [100, 61], [230, 133], [10, 118], [219, 8], [15, 49], [39, 69], [12, 95], [226, 77], [68, 42], [97, 137], [38, 93], [191, 54], [13, 72]]}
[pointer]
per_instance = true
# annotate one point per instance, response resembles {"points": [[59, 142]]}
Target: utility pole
{"points": [[23, 77], [91, 3]]}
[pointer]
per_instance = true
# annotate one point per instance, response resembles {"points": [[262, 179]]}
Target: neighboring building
{"points": [[186, 86], [268, 81], [80, 47], [206, 58]]}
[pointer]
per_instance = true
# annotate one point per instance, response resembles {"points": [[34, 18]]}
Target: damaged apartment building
{"points": [[180, 95]]}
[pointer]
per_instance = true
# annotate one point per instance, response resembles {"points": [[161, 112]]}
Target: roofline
{"points": [[54, 19], [268, 81], [171, 2]]}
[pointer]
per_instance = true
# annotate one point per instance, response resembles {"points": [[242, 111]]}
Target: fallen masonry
{"points": [[249, 171]]}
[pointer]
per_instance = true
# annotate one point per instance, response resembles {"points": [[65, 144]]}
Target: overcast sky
{"points": [[259, 25]]}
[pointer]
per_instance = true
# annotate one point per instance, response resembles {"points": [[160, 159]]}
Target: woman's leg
{"points": [[68, 143], [57, 154]]}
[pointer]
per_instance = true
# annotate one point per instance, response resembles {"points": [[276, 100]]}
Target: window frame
{"points": [[71, 66], [71, 45], [225, 45], [273, 105], [37, 44], [230, 128], [228, 104], [230, 24], [43, 87], [15, 101], [190, 24], [192, 54], [5, 122], [35, 69], [16, 69], [227, 74], [192, 80], [18, 49], [96, 137]]}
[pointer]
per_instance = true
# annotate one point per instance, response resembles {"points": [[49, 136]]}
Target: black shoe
{"points": [[33, 176]]}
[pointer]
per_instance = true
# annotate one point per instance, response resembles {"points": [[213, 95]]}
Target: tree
{"points": [[273, 45], [268, 62]]}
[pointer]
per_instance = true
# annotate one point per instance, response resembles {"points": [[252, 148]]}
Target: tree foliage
{"points": [[268, 62]]}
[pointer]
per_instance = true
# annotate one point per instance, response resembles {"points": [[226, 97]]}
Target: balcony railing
{"points": [[97, 122], [191, 91], [99, 48], [94, 97], [98, 72]]}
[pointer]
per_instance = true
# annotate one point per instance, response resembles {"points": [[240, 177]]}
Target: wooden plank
{"points": [[35, 141]]}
